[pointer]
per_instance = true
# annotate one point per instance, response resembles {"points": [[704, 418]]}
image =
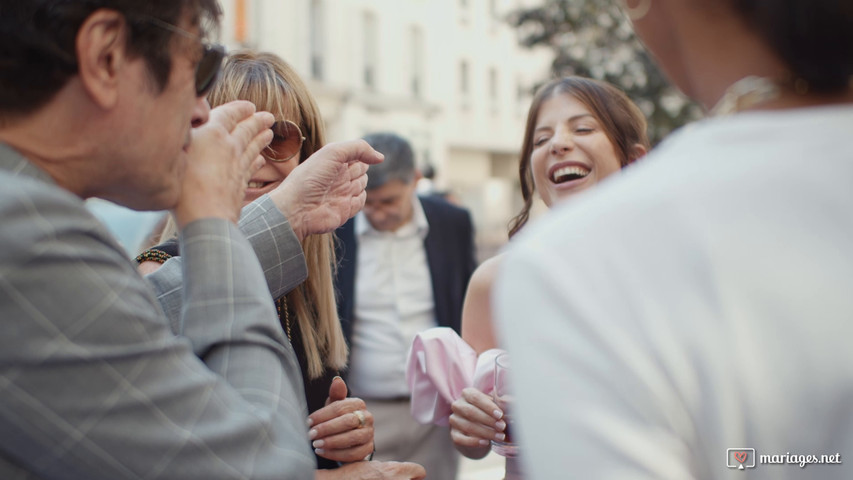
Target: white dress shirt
{"points": [[393, 302]]}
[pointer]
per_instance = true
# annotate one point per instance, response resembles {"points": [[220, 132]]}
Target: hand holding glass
{"points": [[504, 398]]}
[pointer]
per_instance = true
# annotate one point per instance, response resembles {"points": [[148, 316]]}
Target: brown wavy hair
{"points": [[622, 121]]}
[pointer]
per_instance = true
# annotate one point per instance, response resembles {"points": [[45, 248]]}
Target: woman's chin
{"points": [[559, 192], [253, 193]]}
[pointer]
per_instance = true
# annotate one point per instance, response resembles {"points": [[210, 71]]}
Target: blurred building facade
{"points": [[447, 74]]}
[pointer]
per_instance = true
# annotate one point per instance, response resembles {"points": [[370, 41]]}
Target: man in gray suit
{"points": [[106, 99]]}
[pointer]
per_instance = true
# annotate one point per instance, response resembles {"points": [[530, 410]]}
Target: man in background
{"points": [[405, 262]]}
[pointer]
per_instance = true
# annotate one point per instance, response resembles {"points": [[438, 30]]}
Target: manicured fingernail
{"points": [[484, 442], [312, 434], [498, 414], [500, 425], [309, 422], [338, 376], [319, 451], [318, 443], [500, 437]]}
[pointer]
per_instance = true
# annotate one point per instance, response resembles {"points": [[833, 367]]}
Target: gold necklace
{"points": [[746, 93], [281, 306]]}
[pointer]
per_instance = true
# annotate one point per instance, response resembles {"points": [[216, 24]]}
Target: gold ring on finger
{"points": [[362, 420]]}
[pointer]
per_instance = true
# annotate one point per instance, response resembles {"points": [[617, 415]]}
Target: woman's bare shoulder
{"points": [[487, 272]]}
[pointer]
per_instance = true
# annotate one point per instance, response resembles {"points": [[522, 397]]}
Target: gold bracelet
{"points": [[153, 255]]}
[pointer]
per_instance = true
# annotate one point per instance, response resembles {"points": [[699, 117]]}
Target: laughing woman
{"points": [[579, 131]]}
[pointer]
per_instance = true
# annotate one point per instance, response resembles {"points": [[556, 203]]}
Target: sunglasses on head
{"points": [[286, 141], [208, 67]]}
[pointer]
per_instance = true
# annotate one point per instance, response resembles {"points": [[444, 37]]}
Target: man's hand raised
{"points": [[223, 155], [326, 189]]}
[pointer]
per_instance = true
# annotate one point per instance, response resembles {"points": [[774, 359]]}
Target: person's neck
{"points": [[717, 55], [753, 93], [713, 79], [54, 139]]}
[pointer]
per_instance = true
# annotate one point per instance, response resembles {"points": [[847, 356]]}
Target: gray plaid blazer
{"points": [[97, 383]]}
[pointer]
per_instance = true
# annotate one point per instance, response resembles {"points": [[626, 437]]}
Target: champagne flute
{"points": [[504, 398]]}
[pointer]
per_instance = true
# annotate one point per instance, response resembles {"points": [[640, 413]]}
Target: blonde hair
{"points": [[272, 85]]}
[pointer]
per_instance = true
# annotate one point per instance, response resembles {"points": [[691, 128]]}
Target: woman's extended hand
{"points": [[475, 421], [342, 430]]}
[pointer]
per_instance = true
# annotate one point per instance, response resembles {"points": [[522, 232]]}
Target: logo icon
{"points": [[740, 458]]}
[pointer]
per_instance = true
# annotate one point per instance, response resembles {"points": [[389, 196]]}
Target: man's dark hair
{"points": [[38, 37], [815, 38], [399, 161]]}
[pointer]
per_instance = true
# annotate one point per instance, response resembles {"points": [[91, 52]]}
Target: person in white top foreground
{"points": [[694, 315]]}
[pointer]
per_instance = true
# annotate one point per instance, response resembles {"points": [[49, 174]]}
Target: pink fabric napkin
{"points": [[439, 367]]}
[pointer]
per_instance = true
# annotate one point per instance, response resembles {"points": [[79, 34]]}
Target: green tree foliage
{"points": [[593, 38]]}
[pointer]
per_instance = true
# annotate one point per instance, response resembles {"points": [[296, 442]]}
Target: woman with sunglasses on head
{"points": [[579, 131], [341, 428]]}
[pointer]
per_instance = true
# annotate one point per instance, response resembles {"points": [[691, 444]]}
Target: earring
{"points": [[638, 12]]}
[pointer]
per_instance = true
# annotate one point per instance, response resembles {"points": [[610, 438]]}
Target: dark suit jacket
{"points": [[450, 255]]}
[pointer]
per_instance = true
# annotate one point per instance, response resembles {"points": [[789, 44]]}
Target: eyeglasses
{"points": [[208, 67], [286, 141], [207, 70]]}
